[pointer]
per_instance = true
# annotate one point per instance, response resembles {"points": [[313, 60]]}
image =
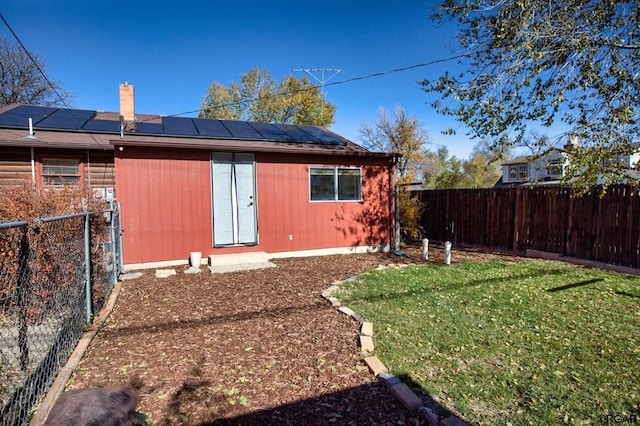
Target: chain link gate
{"points": [[47, 296]]}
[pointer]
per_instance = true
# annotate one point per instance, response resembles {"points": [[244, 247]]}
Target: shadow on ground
{"points": [[350, 406]]}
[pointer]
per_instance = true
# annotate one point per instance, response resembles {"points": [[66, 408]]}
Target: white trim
{"points": [[335, 169], [251, 257], [330, 251]]}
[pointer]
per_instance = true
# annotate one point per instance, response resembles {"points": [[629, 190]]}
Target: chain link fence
{"points": [[55, 273]]}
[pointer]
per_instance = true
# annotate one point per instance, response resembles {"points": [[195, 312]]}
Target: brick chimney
{"points": [[127, 104]]}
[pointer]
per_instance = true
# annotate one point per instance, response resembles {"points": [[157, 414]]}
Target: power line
{"points": [[35, 63], [322, 80], [335, 83], [46, 79]]}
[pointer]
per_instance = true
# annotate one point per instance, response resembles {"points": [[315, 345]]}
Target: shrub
{"points": [[410, 213], [54, 248]]}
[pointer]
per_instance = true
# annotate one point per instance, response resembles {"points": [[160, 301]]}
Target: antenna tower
{"points": [[318, 74]]}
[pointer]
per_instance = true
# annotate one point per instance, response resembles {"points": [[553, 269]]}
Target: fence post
{"points": [[119, 237], [22, 293], [115, 264], [87, 262]]}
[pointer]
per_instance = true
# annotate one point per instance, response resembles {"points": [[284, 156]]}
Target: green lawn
{"points": [[501, 342]]}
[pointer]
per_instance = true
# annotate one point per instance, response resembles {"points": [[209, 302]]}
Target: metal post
{"points": [[119, 237], [87, 267], [447, 252], [425, 249], [115, 264], [22, 292], [397, 236]]}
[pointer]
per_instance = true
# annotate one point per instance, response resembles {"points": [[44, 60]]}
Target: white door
{"points": [[234, 199]]}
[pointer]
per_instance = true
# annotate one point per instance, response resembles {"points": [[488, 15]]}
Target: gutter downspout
{"points": [[397, 208], [33, 167], [394, 204]]}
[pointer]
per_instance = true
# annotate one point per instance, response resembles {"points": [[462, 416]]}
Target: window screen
{"points": [[335, 184], [60, 171]]}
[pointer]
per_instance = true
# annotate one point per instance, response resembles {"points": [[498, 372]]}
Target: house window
{"points": [[335, 184], [60, 171], [555, 169], [518, 172]]}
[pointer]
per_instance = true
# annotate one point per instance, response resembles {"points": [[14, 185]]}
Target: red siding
{"points": [[284, 207], [166, 205], [165, 197]]}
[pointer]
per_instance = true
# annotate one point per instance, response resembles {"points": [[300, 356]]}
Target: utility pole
{"points": [[321, 78]]}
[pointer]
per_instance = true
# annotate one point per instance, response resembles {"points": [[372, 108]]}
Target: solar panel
{"points": [[19, 116], [242, 130], [149, 128], [211, 128], [324, 136], [102, 126], [272, 132], [182, 126], [67, 119], [297, 134]]}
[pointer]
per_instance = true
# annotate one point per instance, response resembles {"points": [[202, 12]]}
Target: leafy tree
{"points": [[537, 62], [482, 169], [257, 97], [401, 134], [21, 79], [452, 174]]}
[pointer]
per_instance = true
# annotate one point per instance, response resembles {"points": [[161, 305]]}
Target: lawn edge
{"points": [[401, 391]]}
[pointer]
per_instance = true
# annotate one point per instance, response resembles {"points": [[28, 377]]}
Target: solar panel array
{"points": [[51, 118]]}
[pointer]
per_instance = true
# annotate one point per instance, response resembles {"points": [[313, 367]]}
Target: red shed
{"points": [[224, 187]]}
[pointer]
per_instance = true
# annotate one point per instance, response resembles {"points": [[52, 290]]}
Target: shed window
{"points": [[58, 172], [335, 184]]}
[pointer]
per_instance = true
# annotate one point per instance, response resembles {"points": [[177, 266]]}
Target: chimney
{"points": [[127, 104], [573, 141]]}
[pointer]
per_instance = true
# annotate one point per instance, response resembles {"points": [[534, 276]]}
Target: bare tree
{"points": [[22, 78], [401, 134]]}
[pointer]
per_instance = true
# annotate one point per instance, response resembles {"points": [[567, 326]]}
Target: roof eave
{"points": [[253, 146]]}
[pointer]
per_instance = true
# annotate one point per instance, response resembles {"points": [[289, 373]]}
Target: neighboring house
{"points": [[546, 168], [214, 186]]}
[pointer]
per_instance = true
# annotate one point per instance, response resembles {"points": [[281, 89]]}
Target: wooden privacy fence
{"points": [[551, 219]]}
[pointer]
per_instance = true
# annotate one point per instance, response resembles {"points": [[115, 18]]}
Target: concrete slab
{"points": [[221, 269], [130, 276], [165, 273]]}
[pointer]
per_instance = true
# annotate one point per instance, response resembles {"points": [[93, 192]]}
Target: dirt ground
{"points": [[253, 347]]}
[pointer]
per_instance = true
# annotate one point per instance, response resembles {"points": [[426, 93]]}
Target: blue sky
{"points": [[171, 51]]}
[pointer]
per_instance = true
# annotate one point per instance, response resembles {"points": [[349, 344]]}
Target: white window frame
{"points": [[60, 180], [518, 172], [557, 165], [336, 176]]}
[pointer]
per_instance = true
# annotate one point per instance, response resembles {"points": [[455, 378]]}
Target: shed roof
{"points": [[88, 129]]}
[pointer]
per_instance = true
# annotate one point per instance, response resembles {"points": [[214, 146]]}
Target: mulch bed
{"points": [[253, 347]]}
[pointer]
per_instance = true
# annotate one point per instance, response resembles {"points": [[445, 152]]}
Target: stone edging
{"points": [[409, 400]]}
